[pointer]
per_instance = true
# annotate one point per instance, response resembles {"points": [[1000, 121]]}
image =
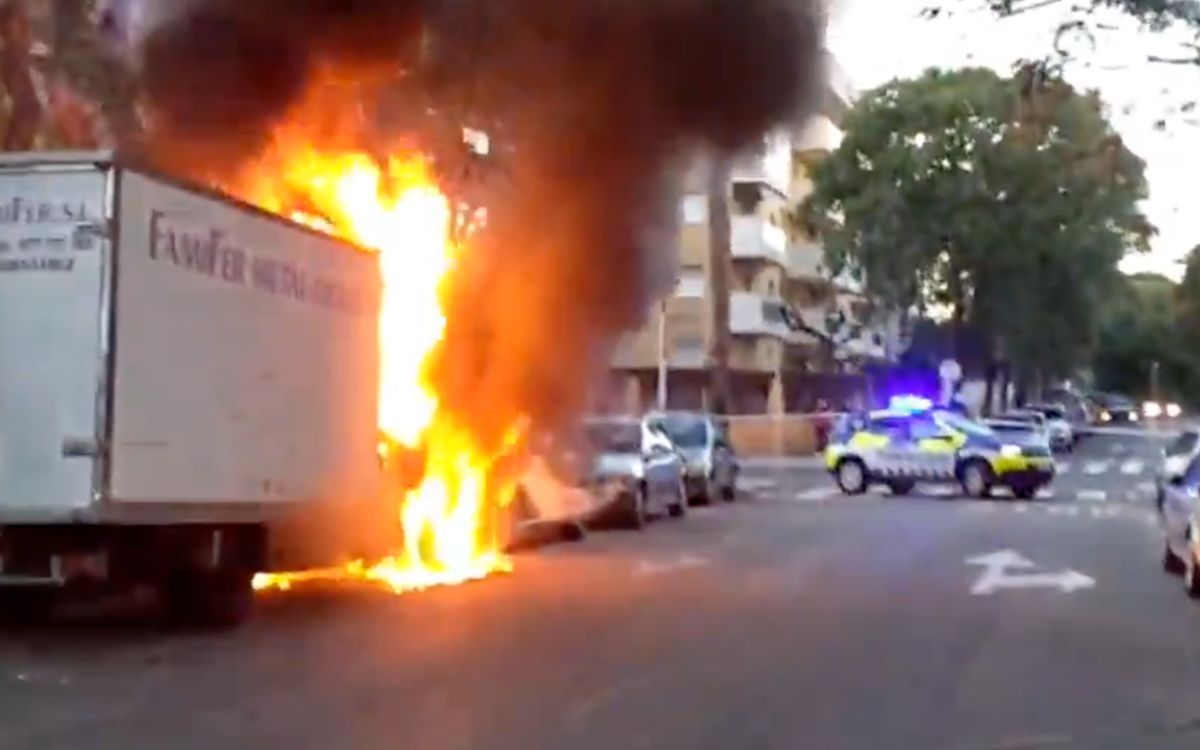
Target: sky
{"points": [[877, 40]]}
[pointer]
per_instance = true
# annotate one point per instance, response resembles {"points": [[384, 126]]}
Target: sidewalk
{"points": [[810, 463]]}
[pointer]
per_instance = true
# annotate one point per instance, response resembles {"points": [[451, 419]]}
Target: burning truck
{"points": [[198, 393], [295, 357]]}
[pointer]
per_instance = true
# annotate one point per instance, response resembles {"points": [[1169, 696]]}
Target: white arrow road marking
{"points": [[1095, 467], [1091, 496], [996, 576], [1131, 467], [682, 562]]}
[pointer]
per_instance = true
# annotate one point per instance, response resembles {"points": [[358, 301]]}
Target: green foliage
{"points": [[1141, 327], [1007, 201]]}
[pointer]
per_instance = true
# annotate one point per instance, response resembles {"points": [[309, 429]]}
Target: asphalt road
{"points": [[793, 619]]}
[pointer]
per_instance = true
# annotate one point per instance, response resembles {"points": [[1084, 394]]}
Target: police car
{"points": [[913, 441]]}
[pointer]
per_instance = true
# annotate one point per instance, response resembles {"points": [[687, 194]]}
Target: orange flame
{"points": [[397, 210]]}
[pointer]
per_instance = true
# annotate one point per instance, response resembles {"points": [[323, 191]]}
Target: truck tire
{"points": [[209, 599]]}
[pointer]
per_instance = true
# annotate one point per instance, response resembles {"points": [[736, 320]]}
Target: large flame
{"points": [[396, 209]]}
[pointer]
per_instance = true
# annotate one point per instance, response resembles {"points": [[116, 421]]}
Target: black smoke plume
{"points": [[594, 108]]}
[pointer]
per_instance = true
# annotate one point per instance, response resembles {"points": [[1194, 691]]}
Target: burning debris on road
{"points": [[338, 114]]}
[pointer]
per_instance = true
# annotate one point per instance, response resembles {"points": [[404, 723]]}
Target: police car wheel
{"points": [[976, 479], [901, 486], [1171, 562], [1025, 492], [852, 476]]}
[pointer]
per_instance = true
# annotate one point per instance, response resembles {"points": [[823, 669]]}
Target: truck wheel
{"points": [[26, 605], [851, 476], [976, 478], [209, 599]]}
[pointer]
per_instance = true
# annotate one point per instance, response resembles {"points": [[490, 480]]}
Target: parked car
{"points": [[1180, 514], [1079, 412], [1174, 461], [1058, 429], [636, 471], [1023, 432], [1112, 408], [710, 463]]}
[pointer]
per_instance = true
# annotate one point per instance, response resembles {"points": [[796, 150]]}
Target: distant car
{"points": [[1111, 408], [1180, 513], [1058, 429], [1024, 433], [710, 464], [636, 472], [1174, 461]]}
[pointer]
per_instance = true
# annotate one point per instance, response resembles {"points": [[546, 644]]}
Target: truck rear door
{"points": [[52, 260]]}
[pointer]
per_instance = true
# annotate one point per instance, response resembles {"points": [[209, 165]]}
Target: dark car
{"points": [[1111, 408]]}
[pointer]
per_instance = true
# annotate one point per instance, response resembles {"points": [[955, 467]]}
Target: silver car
{"points": [[1174, 461], [711, 465], [1058, 428], [636, 470], [1180, 512]]}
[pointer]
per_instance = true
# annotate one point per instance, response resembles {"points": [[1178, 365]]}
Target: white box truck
{"points": [[188, 387]]}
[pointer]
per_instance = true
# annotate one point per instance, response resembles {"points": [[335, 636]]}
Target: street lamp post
{"points": [[662, 356]]}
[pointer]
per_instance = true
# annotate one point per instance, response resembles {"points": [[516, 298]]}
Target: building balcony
{"points": [[754, 238], [770, 164], [818, 138], [806, 260], [755, 315]]}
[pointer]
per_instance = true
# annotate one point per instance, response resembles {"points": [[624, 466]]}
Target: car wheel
{"points": [[1025, 492], [901, 486], [635, 508], [1170, 561], [852, 476], [1191, 568], [976, 478], [679, 506]]}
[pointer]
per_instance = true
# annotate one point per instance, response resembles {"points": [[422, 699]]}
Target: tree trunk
{"points": [[25, 110], [718, 275]]}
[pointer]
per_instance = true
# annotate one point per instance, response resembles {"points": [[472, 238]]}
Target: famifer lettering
{"points": [[210, 253]]}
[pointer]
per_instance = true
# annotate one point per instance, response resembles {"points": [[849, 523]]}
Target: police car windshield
{"points": [[962, 424]]}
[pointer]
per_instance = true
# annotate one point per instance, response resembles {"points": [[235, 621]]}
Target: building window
{"points": [[693, 209], [691, 283]]}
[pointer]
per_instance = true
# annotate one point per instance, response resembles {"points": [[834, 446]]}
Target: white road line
{"points": [[1095, 467], [1091, 496], [1132, 466], [1061, 510], [1101, 512], [1045, 493], [1063, 466], [815, 494], [746, 483], [940, 490], [1021, 507], [1146, 486]]}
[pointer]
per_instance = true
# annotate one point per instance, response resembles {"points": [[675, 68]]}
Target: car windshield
{"points": [[1026, 417], [963, 424], [1183, 445], [1011, 428], [1053, 412], [686, 431], [615, 437]]}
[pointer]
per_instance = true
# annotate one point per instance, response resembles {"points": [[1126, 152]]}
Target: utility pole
{"points": [[719, 239]]}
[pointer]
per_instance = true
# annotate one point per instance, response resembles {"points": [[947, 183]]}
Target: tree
{"points": [[1007, 203]]}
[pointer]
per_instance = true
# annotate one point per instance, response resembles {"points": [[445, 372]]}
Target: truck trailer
{"points": [[188, 390]]}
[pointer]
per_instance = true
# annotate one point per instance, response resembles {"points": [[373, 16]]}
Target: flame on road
{"points": [[397, 210]]}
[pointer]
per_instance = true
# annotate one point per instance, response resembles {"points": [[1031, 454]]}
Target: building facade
{"points": [[790, 322]]}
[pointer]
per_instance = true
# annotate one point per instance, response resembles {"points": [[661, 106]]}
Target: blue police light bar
{"points": [[908, 403]]}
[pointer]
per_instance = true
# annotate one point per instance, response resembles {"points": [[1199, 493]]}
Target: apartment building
{"points": [[787, 315]]}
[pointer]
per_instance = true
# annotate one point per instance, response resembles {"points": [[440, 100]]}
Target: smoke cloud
{"points": [[594, 107]]}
